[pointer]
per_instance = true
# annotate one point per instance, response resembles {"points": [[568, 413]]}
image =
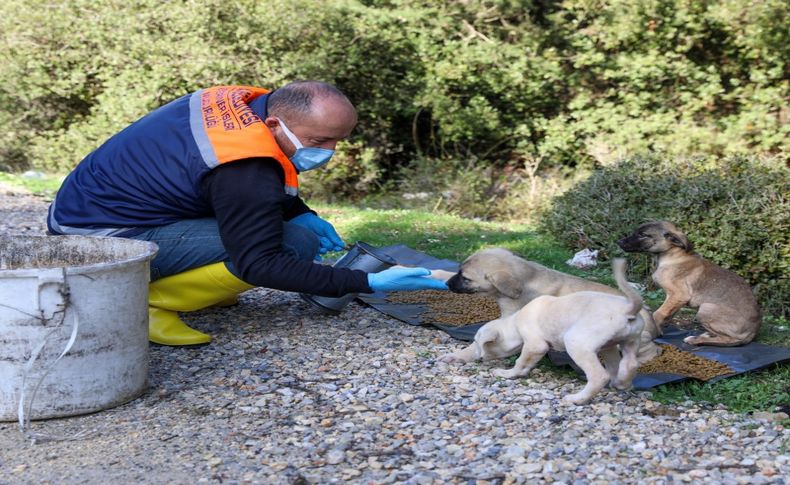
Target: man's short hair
{"points": [[295, 100]]}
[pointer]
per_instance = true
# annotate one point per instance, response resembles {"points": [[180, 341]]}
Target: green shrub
{"points": [[677, 77], [471, 190], [459, 187], [76, 72], [736, 212], [66, 85], [498, 83], [353, 173]]}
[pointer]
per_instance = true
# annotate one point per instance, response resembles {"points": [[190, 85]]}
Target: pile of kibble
{"points": [[675, 361], [446, 308]]}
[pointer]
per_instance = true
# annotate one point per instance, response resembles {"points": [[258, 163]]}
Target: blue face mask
{"points": [[306, 158]]}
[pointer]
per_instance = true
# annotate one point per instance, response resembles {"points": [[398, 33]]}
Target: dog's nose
{"points": [[452, 283]]}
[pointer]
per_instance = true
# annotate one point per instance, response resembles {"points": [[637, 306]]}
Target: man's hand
{"points": [[401, 278], [328, 238]]}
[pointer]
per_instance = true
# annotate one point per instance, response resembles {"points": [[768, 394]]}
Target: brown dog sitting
{"points": [[727, 308]]}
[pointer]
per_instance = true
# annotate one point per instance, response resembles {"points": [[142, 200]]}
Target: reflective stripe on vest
{"points": [[80, 231], [226, 129]]}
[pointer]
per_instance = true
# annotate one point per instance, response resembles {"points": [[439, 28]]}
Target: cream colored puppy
{"points": [[584, 324], [513, 282]]}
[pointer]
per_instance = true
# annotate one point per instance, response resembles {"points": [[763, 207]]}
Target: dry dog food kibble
{"points": [[454, 309], [675, 361]]}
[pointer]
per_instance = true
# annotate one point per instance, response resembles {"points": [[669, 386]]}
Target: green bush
{"points": [[677, 77], [736, 212], [471, 190], [353, 174], [495, 82], [67, 85], [75, 72]]}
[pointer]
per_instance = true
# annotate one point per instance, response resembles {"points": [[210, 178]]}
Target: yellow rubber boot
{"points": [[232, 301], [186, 292]]}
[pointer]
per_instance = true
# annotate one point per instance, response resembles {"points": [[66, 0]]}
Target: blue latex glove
{"points": [[328, 239], [399, 279]]}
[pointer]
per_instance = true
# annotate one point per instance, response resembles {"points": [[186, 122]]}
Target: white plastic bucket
{"points": [[87, 294]]}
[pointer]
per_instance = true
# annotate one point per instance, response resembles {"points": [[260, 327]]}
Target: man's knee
{"points": [[300, 242], [184, 245]]}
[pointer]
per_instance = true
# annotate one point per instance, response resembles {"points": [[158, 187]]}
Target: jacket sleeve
{"points": [[295, 207], [249, 203]]}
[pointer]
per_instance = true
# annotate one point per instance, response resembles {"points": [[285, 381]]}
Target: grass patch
{"points": [[765, 390], [441, 235], [455, 238], [37, 183]]}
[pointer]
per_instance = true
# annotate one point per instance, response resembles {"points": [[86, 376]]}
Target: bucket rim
{"points": [[148, 251]]}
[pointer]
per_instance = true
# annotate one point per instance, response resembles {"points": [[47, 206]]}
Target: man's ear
{"points": [[271, 122], [505, 283], [680, 240]]}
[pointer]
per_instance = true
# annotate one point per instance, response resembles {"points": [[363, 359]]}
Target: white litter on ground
{"points": [[585, 258]]}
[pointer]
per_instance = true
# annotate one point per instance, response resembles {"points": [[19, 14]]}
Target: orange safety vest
{"points": [[226, 129]]}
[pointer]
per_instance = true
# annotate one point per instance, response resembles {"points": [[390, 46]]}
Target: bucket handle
{"points": [[52, 294], [52, 288]]}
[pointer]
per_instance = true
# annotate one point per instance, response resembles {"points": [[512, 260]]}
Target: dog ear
{"points": [[505, 283], [680, 240], [485, 336]]}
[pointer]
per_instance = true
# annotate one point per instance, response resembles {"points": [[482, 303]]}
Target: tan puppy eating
{"points": [[727, 308], [513, 282], [584, 324]]}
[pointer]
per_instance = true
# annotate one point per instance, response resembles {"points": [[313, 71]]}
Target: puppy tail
{"points": [[618, 268]]}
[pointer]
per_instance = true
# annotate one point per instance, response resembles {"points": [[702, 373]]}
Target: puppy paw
{"points": [[621, 386], [575, 399], [504, 373], [691, 340], [450, 359]]}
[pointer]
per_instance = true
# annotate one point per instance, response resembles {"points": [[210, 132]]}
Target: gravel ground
{"points": [[284, 395]]}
